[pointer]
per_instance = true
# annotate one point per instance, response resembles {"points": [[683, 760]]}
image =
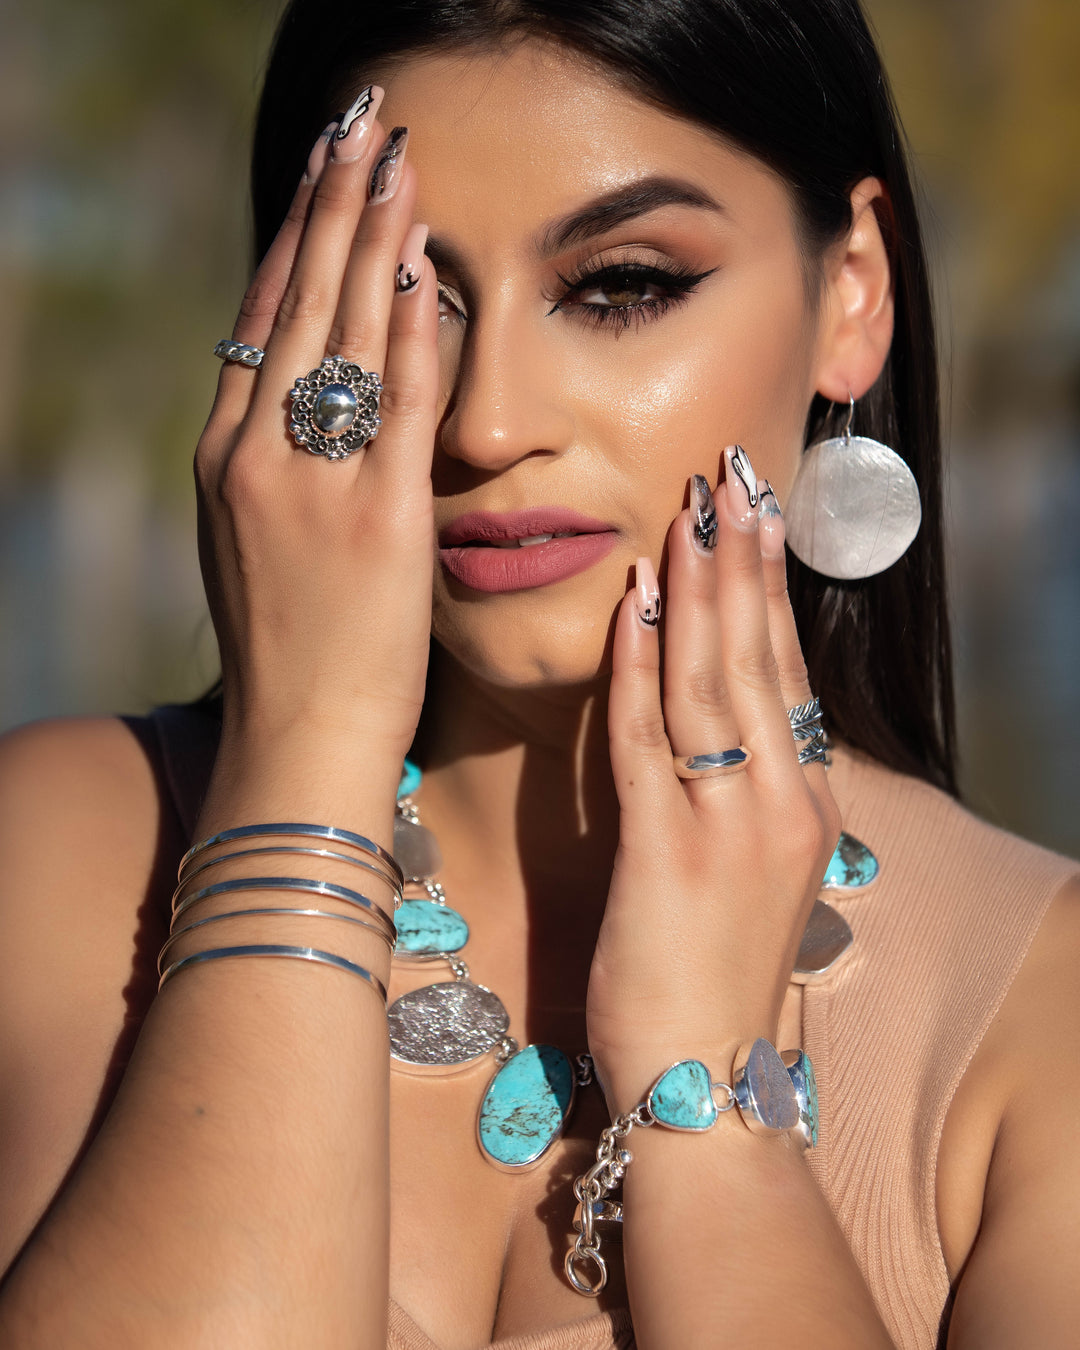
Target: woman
{"points": [[653, 234]]}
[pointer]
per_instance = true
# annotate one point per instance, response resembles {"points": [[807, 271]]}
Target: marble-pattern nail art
{"points": [[744, 471], [359, 107], [385, 173], [407, 276], [704, 519]]}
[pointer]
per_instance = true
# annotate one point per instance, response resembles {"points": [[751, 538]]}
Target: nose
{"points": [[508, 400]]}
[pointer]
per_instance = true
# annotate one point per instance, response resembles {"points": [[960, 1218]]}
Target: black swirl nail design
{"points": [[407, 276], [704, 509], [387, 170], [359, 107], [744, 471]]}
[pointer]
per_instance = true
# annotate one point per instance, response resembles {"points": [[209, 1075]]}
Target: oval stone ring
{"points": [[335, 408]]}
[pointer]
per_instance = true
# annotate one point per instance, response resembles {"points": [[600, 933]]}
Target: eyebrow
{"points": [[601, 214], [623, 204]]}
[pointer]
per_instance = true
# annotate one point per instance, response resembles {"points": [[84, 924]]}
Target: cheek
{"points": [[663, 401]]}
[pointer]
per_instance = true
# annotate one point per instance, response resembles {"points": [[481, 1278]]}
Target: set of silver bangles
{"points": [[196, 893]]}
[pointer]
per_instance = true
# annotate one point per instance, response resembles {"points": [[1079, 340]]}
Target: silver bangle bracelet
{"points": [[273, 949], [327, 853], [328, 832], [262, 910], [383, 924]]}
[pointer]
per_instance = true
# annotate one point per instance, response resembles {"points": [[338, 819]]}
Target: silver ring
{"points": [[815, 751], [805, 720], [240, 352], [711, 765], [335, 408]]}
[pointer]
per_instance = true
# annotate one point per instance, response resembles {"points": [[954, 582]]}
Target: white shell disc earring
{"points": [[854, 507]]}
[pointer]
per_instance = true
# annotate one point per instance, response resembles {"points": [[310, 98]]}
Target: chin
{"points": [[521, 651]]}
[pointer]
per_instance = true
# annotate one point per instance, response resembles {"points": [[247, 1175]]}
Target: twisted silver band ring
{"points": [[240, 352]]}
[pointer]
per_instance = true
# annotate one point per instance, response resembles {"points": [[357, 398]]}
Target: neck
{"points": [[524, 777]]}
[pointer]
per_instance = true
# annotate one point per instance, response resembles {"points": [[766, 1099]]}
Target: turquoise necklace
{"points": [[449, 1026]]}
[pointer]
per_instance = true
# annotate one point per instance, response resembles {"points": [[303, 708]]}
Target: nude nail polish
{"points": [[702, 514], [320, 153], [410, 266], [387, 171], [350, 140], [742, 493], [771, 529], [648, 593]]}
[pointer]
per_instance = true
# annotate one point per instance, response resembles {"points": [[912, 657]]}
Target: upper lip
{"points": [[484, 527]]}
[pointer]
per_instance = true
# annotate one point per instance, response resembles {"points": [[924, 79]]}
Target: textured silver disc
{"points": [[446, 1025], [415, 849], [826, 937], [853, 509]]}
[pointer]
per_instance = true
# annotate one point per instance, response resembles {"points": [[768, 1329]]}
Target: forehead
{"points": [[521, 136]]}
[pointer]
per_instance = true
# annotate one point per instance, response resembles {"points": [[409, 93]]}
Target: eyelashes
{"points": [[626, 294], [616, 295]]}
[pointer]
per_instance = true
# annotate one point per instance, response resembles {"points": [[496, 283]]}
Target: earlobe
{"points": [[857, 328]]}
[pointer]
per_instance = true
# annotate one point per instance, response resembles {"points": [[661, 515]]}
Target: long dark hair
{"points": [[798, 84]]}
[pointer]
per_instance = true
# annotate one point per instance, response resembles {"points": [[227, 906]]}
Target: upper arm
{"points": [[1020, 1283], [84, 846]]}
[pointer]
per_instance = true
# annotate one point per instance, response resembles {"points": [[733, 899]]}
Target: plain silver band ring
{"points": [[712, 765], [240, 352]]}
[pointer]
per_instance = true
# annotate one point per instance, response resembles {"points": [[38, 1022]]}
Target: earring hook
{"points": [[846, 433]]}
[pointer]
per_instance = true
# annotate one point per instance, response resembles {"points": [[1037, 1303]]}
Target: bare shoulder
{"points": [[87, 837], [1018, 1104]]}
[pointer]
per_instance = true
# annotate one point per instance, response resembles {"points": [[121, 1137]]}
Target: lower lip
{"points": [[496, 570]]}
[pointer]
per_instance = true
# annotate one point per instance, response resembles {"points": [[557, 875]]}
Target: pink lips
{"points": [[481, 549]]}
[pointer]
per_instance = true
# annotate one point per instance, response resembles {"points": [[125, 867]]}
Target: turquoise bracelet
{"points": [[773, 1092]]}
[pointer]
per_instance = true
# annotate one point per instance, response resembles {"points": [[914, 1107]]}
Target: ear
{"points": [[857, 311]]}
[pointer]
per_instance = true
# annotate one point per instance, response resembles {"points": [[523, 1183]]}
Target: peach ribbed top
{"points": [[939, 938]]}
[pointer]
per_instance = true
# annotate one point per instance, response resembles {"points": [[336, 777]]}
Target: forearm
{"points": [[237, 1192], [728, 1231]]}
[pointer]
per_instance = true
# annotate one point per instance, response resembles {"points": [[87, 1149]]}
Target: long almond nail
{"points": [[350, 141], [703, 514], [320, 153], [771, 529], [742, 493], [410, 266], [648, 593], [387, 171]]}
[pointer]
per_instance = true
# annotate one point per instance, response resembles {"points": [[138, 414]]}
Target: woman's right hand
{"points": [[318, 573]]}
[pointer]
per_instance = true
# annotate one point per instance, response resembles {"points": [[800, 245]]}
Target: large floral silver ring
{"points": [[335, 408]]}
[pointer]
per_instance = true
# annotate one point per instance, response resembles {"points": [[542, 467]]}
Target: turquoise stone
{"points": [[801, 1072], [682, 1098], [410, 780], [526, 1105], [851, 866], [425, 928]]}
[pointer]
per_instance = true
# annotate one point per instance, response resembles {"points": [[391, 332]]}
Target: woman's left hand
{"points": [[714, 878]]}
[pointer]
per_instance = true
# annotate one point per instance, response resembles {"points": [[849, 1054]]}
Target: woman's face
{"points": [[623, 296]]}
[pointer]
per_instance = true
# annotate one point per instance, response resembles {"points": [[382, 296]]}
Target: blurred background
{"points": [[124, 130]]}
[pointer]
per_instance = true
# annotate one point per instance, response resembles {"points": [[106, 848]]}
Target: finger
{"points": [[401, 461], [368, 288], [749, 663], [697, 706], [299, 337], [260, 304], [784, 635], [640, 750]]}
